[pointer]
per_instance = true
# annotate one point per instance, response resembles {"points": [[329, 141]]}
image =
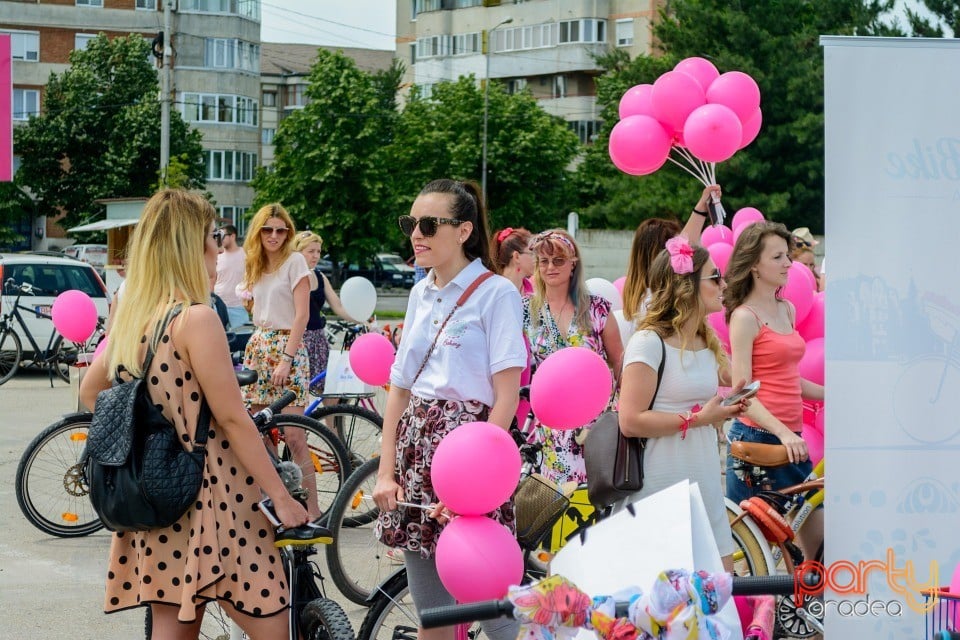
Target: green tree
{"points": [[99, 133], [942, 19], [331, 170], [778, 44], [528, 151], [15, 206]]}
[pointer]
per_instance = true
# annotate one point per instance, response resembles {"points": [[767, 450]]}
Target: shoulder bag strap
{"points": [[460, 302], [663, 362]]}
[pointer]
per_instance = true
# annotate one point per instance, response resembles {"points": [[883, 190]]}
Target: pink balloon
{"points": [[814, 325], [799, 290], [712, 133], [719, 324], [811, 365], [564, 401], [955, 590], [478, 559], [675, 95], [74, 315], [619, 282], [716, 233], [735, 90], [751, 128], [100, 348], [475, 450], [701, 69], [720, 252], [371, 357], [636, 101], [745, 216], [639, 145], [814, 440]]}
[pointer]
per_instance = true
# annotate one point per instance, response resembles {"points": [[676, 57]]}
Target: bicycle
{"points": [[765, 526], [59, 353], [52, 492], [313, 616]]}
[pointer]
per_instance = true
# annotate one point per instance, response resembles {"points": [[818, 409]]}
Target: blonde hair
{"points": [[257, 263], [304, 239], [165, 267], [676, 298], [560, 243]]}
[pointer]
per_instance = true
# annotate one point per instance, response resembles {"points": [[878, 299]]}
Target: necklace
{"points": [[558, 319]]}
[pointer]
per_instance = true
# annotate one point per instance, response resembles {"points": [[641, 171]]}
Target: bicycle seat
{"points": [[302, 536], [246, 376], [762, 455]]}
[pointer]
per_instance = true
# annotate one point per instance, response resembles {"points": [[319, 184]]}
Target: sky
{"points": [[369, 24]]}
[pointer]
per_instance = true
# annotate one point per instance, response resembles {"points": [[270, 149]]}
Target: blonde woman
{"points": [[562, 313], [310, 245], [177, 569]]}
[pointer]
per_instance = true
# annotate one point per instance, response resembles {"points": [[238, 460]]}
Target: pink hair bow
{"points": [[503, 235], [681, 255]]}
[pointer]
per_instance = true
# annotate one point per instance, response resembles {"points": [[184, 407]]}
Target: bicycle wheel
{"points": [[324, 619], [217, 625], [324, 461], [392, 615], [62, 354], [11, 352], [356, 559], [751, 556], [358, 428], [51, 488]]}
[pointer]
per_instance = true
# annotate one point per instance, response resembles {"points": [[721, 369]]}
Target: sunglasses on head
{"points": [[219, 235], [428, 224], [556, 261], [716, 275], [269, 231]]}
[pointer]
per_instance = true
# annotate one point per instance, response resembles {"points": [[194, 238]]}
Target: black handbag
{"points": [[139, 474], [614, 462]]}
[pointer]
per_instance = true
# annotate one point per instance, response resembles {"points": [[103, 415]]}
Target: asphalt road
{"points": [[53, 588]]}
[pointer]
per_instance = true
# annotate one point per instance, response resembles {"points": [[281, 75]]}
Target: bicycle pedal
{"points": [[306, 535]]}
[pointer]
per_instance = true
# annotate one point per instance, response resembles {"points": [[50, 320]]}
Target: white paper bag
{"points": [[341, 380], [670, 530]]}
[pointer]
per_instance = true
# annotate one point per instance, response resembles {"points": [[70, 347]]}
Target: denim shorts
{"points": [[781, 477]]}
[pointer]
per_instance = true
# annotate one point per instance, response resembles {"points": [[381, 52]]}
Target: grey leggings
{"points": [[427, 592]]}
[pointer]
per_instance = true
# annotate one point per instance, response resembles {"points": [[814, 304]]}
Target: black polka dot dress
{"points": [[222, 548]]}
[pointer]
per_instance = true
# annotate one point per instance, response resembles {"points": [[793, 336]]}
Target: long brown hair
{"points": [[501, 251], [676, 298], [557, 242], [648, 241], [467, 205], [257, 263], [746, 254]]}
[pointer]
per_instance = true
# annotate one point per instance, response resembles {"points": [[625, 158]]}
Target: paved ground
{"points": [[52, 587]]}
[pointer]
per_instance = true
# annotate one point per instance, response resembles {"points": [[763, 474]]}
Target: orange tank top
{"points": [[776, 359]]}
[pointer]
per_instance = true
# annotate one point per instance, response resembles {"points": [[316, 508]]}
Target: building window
{"points": [[625, 32], [147, 4], [586, 130], [24, 45], [26, 103], [422, 6], [583, 30], [81, 40], [237, 217], [269, 99], [296, 96], [535, 36], [559, 86], [516, 85], [246, 8], [220, 109], [413, 53], [433, 46], [230, 53], [266, 136], [467, 43], [230, 166], [90, 3]]}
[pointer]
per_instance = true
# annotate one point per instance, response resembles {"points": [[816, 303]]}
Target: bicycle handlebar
{"points": [[265, 416], [781, 585]]}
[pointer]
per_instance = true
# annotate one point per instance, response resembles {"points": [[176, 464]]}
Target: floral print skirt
{"points": [[422, 426], [318, 349], [263, 353]]}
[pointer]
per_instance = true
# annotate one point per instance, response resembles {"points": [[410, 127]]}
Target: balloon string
{"points": [[688, 170], [428, 507], [694, 163]]}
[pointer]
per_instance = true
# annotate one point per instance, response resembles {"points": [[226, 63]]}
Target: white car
{"points": [[50, 276]]}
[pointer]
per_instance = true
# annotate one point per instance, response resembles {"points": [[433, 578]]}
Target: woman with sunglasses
{"points": [[279, 281], [765, 346], [681, 441], [459, 361], [177, 569], [562, 313]]}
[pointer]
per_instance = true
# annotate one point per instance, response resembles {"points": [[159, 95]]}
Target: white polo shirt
{"points": [[484, 337]]}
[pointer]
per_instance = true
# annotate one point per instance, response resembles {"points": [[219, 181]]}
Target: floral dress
{"points": [[563, 456]]}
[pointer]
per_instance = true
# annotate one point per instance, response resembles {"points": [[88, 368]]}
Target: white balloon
{"points": [[359, 298], [605, 289]]}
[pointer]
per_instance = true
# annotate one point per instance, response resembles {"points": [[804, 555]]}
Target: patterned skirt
{"points": [[422, 426], [263, 354], [318, 349]]}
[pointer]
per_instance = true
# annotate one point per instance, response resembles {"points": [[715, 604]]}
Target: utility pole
{"points": [[486, 104], [166, 86]]}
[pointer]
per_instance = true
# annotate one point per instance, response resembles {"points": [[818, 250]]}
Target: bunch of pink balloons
{"points": [[712, 115], [475, 469]]}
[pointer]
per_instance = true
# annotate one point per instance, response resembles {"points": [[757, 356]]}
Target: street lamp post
{"points": [[486, 104]]}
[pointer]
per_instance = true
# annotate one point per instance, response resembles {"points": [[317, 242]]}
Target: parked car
{"points": [[93, 254], [51, 275], [383, 270]]}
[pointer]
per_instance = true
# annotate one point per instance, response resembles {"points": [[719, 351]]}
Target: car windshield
{"points": [[391, 259]]}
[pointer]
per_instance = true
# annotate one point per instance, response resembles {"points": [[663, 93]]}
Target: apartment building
{"points": [[544, 46], [216, 79]]}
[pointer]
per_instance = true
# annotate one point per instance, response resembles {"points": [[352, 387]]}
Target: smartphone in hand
{"points": [[748, 391]]}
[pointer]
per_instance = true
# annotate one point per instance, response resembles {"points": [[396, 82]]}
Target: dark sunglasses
{"points": [[556, 261], [218, 235], [269, 231], [716, 275], [428, 224]]}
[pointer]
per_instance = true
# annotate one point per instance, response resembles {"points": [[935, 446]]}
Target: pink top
{"points": [[273, 306], [776, 359]]}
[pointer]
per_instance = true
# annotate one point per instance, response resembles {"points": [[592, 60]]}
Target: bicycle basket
{"points": [[538, 505]]}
